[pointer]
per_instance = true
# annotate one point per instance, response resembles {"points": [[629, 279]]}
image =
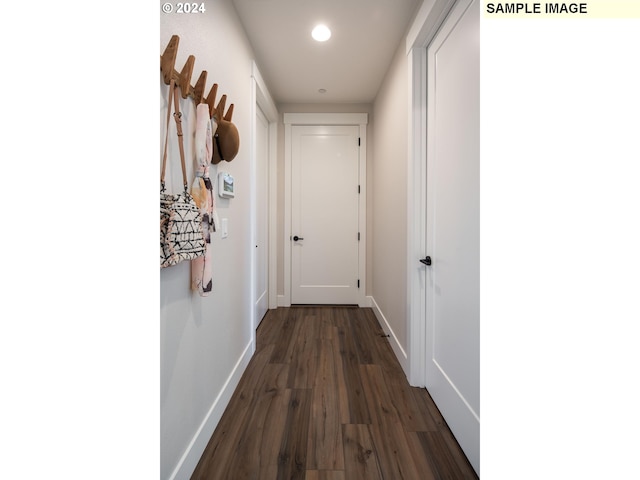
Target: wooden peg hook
{"points": [[219, 112], [185, 76], [183, 80], [198, 90], [168, 59], [211, 99]]}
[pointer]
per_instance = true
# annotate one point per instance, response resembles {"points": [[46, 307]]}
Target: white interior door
{"points": [[324, 214], [453, 225], [261, 250]]}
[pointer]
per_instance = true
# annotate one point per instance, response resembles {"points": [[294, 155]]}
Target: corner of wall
{"points": [[396, 346]]}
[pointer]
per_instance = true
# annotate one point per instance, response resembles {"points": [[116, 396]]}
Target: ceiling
{"points": [[350, 66]]}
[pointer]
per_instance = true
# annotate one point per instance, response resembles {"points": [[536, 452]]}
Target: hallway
{"points": [[325, 398]]}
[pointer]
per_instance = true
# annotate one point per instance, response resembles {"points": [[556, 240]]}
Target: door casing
{"points": [[260, 98], [325, 119], [262, 206]]}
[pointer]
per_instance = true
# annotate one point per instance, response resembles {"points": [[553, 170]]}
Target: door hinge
{"points": [[358, 189], [358, 283], [358, 141], [358, 236]]}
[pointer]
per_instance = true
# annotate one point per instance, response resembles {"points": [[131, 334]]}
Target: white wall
{"points": [[389, 204], [205, 342]]}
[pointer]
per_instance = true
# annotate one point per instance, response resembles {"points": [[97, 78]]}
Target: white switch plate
{"points": [[225, 228]]}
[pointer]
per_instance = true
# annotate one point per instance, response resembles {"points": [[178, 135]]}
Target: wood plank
{"points": [[273, 430], [361, 458], [446, 465], [340, 381], [423, 465], [287, 335], [387, 431], [305, 352], [292, 459], [413, 418], [358, 411], [268, 473], [268, 331], [430, 414], [328, 327], [365, 339], [325, 450], [438, 424], [271, 387], [325, 475]]}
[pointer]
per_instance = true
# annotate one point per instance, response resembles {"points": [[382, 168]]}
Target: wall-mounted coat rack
{"points": [[183, 80]]}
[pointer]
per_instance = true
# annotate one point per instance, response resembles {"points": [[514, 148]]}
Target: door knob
{"points": [[426, 260], [296, 238]]}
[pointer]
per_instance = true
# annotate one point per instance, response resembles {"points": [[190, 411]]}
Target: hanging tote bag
{"points": [[181, 236]]}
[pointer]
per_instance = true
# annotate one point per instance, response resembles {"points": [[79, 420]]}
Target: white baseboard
{"points": [[191, 457], [401, 355], [367, 302], [282, 301]]}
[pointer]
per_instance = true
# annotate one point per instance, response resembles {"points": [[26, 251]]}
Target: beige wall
{"points": [[389, 198]]}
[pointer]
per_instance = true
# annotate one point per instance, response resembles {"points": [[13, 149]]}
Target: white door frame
{"points": [[260, 98], [361, 120], [426, 24]]}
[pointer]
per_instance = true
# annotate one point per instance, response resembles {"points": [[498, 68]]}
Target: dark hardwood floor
{"points": [[324, 398]]}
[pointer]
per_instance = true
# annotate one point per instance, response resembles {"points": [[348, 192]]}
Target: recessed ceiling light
{"points": [[322, 90], [321, 33]]}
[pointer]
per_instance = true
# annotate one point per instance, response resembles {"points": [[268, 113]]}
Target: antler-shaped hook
{"points": [[198, 91], [211, 99], [185, 76], [168, 59], [220, 115]]}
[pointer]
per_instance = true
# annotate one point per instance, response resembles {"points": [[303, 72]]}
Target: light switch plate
{"points": [[224, 228]]}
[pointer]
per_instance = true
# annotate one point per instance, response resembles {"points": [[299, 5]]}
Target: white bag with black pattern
{"points": [[181, 236]]}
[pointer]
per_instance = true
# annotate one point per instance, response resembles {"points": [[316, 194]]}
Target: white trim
{"points": [[416, 192], [427, 22], [260, 98], [425, 26], [368, 302], [273, 211], [282, 301], [268, 106], [189, 460], [264, 98], [362, 215], [360, 120], [325, 118], [286, 260], [401, 355]]}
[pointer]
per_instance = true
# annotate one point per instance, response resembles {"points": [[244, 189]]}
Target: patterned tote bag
{"points": [[181, 236]]}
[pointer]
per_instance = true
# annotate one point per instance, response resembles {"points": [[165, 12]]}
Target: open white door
{"points": [[453, 225]]}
